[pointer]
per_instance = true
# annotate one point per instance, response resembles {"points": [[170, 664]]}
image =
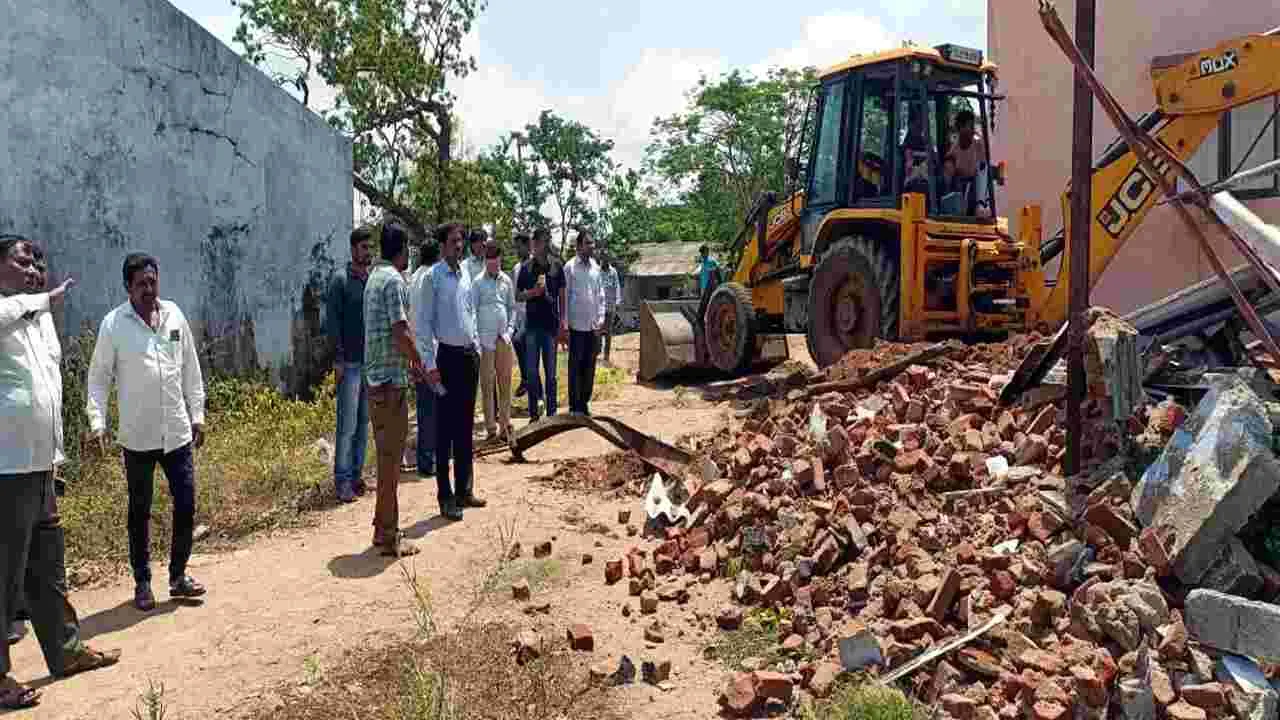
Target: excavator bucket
{"points": [[669, 338]]}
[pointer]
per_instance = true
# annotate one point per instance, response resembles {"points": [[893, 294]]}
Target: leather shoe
{"points": [[143, 598], [472, 501]]}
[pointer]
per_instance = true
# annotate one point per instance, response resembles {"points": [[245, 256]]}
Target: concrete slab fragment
{"points": [[1234, 624], [1216, 472]]}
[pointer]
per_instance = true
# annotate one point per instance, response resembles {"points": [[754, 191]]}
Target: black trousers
{"points": [[33, 567], [179, 470], [517, 344], [583, 349], [455, 418]]}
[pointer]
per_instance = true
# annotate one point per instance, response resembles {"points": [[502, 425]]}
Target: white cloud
{"points": [[829, 39]]}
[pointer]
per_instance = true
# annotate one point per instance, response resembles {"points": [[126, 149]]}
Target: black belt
{"points": [[464, 349]]}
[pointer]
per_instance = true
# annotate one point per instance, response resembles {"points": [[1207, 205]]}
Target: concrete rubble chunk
{"points": [[1234, 624], [1216, 471], [1234, 572], [860, 650], [1112, 361]]}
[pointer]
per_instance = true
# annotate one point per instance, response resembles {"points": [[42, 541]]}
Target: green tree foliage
{"points": [[574, 161], [520, 182], [727, 147], [390, 62]]}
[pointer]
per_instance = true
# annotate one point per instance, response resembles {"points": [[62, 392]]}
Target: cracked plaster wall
{"points": [[127, 126]]}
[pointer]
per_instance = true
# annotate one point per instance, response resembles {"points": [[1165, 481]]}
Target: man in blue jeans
{"points": [[345, 309], [428, 256], [538, 286]]}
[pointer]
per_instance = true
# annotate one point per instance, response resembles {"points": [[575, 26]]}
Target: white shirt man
{"points": [[585, 311], [494, 297], [161, 388], [145, 345], [31, 400]]}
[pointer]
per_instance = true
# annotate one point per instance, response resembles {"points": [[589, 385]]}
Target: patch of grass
{"points": [[538, 572], [258, 468], [423, 693], [609, 381], [857, 700], [758, 637], [151, 704]]}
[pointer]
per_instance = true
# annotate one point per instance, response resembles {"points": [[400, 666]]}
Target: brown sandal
{"points": [[86, 659], [15, 696]]}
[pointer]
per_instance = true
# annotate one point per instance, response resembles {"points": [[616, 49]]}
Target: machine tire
{"points": [[864, 272], [729, 327]]}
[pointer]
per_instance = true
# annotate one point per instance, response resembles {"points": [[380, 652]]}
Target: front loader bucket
{"points": [[669, 338]]}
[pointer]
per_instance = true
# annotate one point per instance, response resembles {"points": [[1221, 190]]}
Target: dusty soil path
{"points": [[292, 604]]}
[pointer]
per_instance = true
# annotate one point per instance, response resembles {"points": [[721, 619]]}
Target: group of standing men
{"points": [[146, 348], [454, 330]]}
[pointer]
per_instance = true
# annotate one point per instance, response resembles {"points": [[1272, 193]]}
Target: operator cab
{"points": [[912, 120]]}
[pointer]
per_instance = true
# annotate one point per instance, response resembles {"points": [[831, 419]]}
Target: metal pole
{"points": [[1081, 195]]}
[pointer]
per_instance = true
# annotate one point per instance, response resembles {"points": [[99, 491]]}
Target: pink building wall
{"points": [[1033, 133]]}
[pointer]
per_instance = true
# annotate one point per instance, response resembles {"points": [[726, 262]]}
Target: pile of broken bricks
{"points": [[916, 532]]}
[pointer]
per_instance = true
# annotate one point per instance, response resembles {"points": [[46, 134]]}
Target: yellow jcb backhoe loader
{"points": [[879, 241]]}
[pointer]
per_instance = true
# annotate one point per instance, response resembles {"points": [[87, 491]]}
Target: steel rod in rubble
{"points": [[1081, 197]]}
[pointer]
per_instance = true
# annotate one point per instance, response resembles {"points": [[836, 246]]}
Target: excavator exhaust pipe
{"points": [[669, 339]]}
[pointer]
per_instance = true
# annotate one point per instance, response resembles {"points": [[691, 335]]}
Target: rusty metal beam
{"points": [[1146, 150], [1081, 196]]}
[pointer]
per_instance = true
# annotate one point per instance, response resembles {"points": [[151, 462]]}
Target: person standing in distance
{"points": [[391, 362], [428, 256], [538, 286], [32, 544], [452, 361], [582, 323], [612, 294], [517, 339], [495, 302], [706, 266], [475, 256], [145, 346], [345, 309]]}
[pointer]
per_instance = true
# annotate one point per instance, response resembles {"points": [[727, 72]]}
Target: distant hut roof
{"points": [[664, 259]]}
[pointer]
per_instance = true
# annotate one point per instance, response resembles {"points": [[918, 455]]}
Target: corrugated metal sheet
{"points": [[665, 259]]}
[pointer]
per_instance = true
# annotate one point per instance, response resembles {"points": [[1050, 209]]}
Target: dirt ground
{"points": [[291, 605]]}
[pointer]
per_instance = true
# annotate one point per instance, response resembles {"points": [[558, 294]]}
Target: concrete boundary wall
{"points": [[128, 126]]}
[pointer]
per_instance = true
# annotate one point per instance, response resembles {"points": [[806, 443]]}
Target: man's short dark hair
{"points": [[583, 235], [444, 231], [522, 239], [429, 253], [477, 235], [965, 118], [9, 242], [135, 263], [37, 252], [704, 249], [542, 234], [364, 233], [395, 239]]}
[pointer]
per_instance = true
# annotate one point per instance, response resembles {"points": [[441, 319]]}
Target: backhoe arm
{"points": [[1193, 91]]}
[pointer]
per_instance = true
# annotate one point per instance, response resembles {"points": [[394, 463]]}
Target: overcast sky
{"points": [[617, 64]]}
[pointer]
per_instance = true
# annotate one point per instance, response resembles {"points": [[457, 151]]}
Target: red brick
{"points": [[635, 565], [1042, 525], [775, 685], [1003, 585], [1031, 450], [899, 396], [580, 638], [918, 377], [1088, 686], [740, 694], [1184, 711], [958, 706], [613, 571], [729, 617], [786, 445], [944, 596], [1106, 516], [1045, 662], [760, 447], [1048, 710], [1209, 696]]}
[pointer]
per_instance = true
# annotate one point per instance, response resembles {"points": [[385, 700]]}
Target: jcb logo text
{"points": [[1129, 199]]}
